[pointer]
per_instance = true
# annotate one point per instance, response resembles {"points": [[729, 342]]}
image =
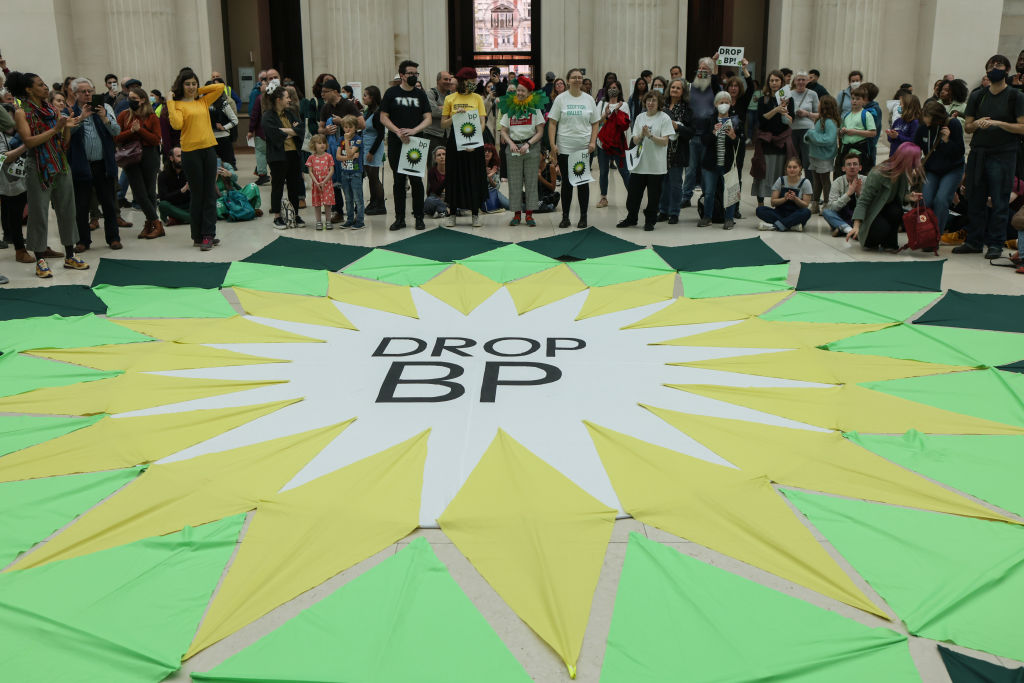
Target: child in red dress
{"points": [[321, 173]]}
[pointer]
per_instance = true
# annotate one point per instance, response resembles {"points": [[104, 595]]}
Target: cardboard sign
{"points": [[414, 157], [633, 156], [579, 168], [730, 56], [357, 90], [467, 130]]}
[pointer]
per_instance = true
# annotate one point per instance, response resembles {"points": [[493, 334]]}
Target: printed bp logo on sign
{"points": [[413, 156], [468, 130]]}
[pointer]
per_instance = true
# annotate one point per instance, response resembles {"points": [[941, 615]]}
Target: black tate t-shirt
{"points": [[1006, 106], [406, 108]]}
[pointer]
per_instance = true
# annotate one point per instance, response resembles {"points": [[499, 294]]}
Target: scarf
{"points": [[49, 156]]}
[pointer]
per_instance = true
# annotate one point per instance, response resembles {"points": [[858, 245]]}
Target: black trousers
{"points": [[394, 152], [638, 182], [287, 172], [885, 229], [142, 179], [11, 210], [225, 152], [106, 193], [582, 190], [200, 166]]}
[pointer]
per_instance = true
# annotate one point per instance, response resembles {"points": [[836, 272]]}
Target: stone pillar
{"points": [[29, 41]]}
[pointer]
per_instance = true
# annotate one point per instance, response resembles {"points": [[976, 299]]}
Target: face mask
{"points": [[658, 89], [410, 80], [152, 100], [854, 85], [723, 108], [133, 105], [344, 95], [996, 75], [613, 92], [468, 87]]}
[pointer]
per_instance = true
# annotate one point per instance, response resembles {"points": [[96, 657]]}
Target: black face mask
{"points": [[410, 80], [133, 105]]}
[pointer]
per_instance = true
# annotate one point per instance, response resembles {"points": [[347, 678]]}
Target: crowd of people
{"points": [[69, 148]]}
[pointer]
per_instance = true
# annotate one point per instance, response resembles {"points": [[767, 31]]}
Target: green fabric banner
{"points": [[1013, 367], [19, 374], [730, 281], [625, 267], [146, 301], [719, 255], [34, 509], [442, 244], [989, 394], [123, 272], [311, 254], [871, 276], [576, 245], [404, 620], [932, 344], [978, 311], [277, 279], [964, 669], [22, 431], [123, 615], [34, 302], [679, 619], [56, 332], [398, 269], [948, 578], [989, 467], [850, 307], [508, 263]]}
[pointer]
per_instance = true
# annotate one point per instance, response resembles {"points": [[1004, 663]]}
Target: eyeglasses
{"points": [[85, 91]]}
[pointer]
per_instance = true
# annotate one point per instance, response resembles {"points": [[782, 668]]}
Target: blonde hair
{"points": [[350, 121], [318, 139]]}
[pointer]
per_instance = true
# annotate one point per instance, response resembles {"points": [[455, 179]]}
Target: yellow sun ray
{"points": [[381, 296], [685, 311], [298, 308], [153, 357], [461, 288], [545, 287], [756, 333], [619, 297], [236, 330]]}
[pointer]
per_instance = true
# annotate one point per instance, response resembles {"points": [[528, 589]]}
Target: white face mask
{"points": [[854, 85], [723, 108]]}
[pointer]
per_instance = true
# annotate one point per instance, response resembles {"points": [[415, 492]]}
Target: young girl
{"points": [[496, 202], [321, 173], [791, 194], [349, 154], [821, 148]]}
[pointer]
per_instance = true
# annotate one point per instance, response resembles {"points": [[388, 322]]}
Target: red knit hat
{"points": [[466, 73], [527, 83]]}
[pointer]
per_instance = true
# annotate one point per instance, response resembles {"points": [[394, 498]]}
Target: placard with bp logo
{"points": [[579, 168], [414, 157], [468, 130]]}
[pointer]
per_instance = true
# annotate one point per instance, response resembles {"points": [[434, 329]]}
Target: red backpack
{"points": [[922, 229]]}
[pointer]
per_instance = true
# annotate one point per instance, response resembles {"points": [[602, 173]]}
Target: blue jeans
{"points": [[787, 215], [604, 162], [834, 220], [989, 175], [671, 191], [709, 183], [352, 186], [122, 186], [694, 169], [938, 193]]}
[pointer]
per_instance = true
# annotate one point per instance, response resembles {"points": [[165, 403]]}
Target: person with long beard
{"points": [[703, 89]]}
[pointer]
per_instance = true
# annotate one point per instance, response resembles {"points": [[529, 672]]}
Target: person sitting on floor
{"points": [[843, 195], [791, 195], [173, 192]]}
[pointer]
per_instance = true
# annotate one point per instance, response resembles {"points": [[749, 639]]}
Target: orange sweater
{"points": [[192, 118], [149, 129]]}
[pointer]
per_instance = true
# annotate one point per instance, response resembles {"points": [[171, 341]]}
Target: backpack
{"points": [[717, 211], [922, 230], [288, 214], [238, 207]]}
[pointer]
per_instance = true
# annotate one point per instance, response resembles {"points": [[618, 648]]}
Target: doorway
{"points": [[261, 34]]}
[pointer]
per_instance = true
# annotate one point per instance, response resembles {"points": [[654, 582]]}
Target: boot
{"points": [[23, 256], [144, 233], [156, 231]]}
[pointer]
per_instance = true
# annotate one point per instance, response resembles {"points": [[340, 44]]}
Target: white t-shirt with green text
{"points": [[575, 116]]}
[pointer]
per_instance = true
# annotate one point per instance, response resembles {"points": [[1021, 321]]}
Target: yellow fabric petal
{"points": [[619, 297], [820, 461], [167, 498], [236, 330], [381, 296], [756, 333], [536, 537], [825, 367], [122, 394], [685, 311], [545, 287], [300, 538], [153, 357], [461, 288], [113, 443], [850, 408], [296, 308], [734, 512]]}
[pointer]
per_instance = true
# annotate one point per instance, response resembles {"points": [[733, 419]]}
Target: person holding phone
{"points": [[773, 143]]}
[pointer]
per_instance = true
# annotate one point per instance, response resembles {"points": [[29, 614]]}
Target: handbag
{"points": [[731, 183], [922, 229], [128, 154]]}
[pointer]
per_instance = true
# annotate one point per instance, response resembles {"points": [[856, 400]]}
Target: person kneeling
{"points": [[879, 213]]}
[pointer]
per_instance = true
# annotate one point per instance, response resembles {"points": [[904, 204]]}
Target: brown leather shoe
{"points": [[94, 224], [51, 253], [156, 231], [79, 248], [115, 245], [144, 233], [122, 223], [336, 217], [259, 213], [22, 256]]}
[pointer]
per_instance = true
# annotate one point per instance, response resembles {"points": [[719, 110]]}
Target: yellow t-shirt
{"points": [[456, 103], [192, 118]]}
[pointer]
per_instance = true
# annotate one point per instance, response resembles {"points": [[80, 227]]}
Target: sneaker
{"points": [[42, 269], [966, 248], [358, 226], [729, 225], [420, 225], [449, 221], [279, 224], [954, 238], [564, 223], [214, 241], [1020, 270], [799, 227], [602, 203], [206, 244], [74, 263], [531, 222], [348, 224], [514, 222], [299, 221], [476, 220], [993, 252], [765, 226], [648, 226], [662, 217], [319, 225], [397, 225], [673, 220], [3, 278], [625, 223], [703, 222]]}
